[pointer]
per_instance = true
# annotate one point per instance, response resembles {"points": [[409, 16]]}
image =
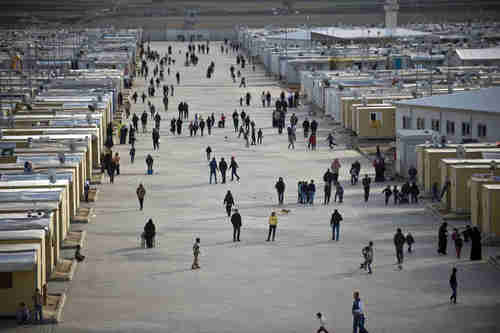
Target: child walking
{"points": [[196, 253], [322, 323]]}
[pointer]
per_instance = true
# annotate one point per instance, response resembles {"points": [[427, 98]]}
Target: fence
{"points": [[187, 35]]}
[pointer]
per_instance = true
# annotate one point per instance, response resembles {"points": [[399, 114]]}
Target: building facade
{"points": [[471, 115]]}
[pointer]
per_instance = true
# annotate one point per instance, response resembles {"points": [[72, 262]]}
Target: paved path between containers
{"points": [[255, 286]]}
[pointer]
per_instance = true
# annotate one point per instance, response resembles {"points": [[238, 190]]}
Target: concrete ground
{"points": [[256, 286]]}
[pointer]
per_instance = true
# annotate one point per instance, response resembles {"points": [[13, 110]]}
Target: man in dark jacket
{"points": [[399, 242], [335, 224], [213, 170], [280, 188], [234, 167], [144, 121], [156, 139], [314, 126], [236, 221], [223, 169], [366, 186], [305, 126], [149, 164], [135, 121], [228, 202]]}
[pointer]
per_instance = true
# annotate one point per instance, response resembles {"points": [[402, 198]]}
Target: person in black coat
{"points": [[366, 186], [223, 169], [236, 221], [229, 202], [443, 238], [280, 188], [149, 233], [335, 224], [475, 250]]}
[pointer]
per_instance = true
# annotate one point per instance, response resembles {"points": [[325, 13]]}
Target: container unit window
{"points": [[450, 127], [5, 280], [436, 125], [481, 130], [465, 129], [376, 119], [420, 123], [406, 122]]}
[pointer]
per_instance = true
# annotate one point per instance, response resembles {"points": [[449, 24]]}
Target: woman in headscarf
{"points": [[475, 250], [149, 233]]}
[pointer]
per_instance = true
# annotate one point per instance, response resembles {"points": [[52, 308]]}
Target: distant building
{"points": [[391, 8], [474, 57], [469, 115], [364, 34]]}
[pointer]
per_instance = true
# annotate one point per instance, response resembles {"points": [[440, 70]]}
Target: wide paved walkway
{"points": [[256, 286]]}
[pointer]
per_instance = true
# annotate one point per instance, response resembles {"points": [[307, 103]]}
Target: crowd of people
{"points": [[245, 127]]}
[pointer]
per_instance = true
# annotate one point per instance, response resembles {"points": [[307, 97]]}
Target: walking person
{"points": [[223, 169], [311, 190], [410, 241], [328, 193], [358, 315], [86, 190], [453, 286], [111, 170], [335, 224], [213, 170], [149, 233], [339, 193], [366, 187], [443, 238], [149, 164], [475, 250], [156, 139], [144, 121], [367, 253], [209, 152], [387, 192], [228, 202], [457, 239], [414, 193], [236, 222], [132, 154], [234, 166], [280, 188], [399, 242], [273, 223], [196, 254], [322, 323], [141, 194], [37, 306], [395, 193]]}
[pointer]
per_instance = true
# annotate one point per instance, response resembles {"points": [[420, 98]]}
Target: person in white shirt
{"points": [[322, 323]]}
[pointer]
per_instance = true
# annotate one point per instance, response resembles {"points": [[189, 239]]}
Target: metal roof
{"points": [[357, 33], [21, 261], [479, 54], [482, 100]]}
